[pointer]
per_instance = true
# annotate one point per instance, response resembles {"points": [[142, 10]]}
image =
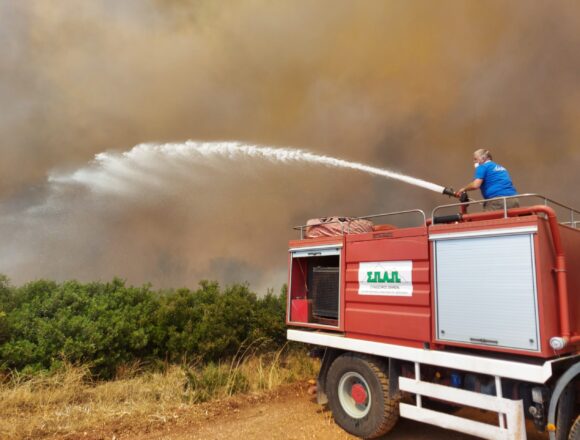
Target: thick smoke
{"points": [[411, 86]]}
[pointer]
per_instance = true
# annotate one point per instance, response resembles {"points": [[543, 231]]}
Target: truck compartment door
{"points": [[485, 290]]}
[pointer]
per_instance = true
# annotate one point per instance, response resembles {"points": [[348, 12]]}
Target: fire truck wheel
{"points": [[575, 431], [565, 412], [358, 396]]}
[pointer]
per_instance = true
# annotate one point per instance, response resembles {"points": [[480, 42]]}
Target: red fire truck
{"points": [[476, 309]]}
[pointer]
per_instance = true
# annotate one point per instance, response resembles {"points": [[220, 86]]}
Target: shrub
{"points": [[108, 325], [100, 324]]}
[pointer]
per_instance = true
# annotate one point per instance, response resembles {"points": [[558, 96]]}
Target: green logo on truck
{"points": [[383, 277]]}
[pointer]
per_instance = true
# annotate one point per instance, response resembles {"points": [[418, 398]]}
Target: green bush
{"points": [[104, 325], [107, 325]]}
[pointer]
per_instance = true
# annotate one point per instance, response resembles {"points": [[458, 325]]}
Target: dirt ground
{"points": [[289, 413]]}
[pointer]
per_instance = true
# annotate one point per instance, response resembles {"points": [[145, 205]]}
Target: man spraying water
{"points": [[493, 180]]}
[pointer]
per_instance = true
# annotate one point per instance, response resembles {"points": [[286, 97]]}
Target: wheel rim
{"points": [[354, 395]]}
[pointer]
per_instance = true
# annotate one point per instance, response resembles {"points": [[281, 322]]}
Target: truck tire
{"points": [[575, 430], [565, 412], [358, 396]]}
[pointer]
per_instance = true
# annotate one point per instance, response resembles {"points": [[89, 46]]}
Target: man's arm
{"points": [[470, 187]]}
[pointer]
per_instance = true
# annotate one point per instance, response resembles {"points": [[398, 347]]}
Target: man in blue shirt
{"points": [[493, 180]]}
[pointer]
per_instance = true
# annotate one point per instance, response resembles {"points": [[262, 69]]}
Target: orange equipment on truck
{"points": [[461, 310]]}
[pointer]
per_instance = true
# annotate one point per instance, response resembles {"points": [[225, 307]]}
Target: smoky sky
{"points": [[414, 87]]}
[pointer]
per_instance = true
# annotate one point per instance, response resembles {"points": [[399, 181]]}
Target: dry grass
{"points": [[68, 402]]}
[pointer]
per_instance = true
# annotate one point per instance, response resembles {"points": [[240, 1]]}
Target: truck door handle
{"points": [[484, 341]]}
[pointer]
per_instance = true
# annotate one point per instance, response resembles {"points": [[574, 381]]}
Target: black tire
{"points": [[368, 413], [575, 430], [565, 412]]}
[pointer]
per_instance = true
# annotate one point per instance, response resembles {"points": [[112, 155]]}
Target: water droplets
{"points": [[122, 172]]}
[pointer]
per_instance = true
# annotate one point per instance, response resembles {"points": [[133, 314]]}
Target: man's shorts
{"points": [[496, 205]]}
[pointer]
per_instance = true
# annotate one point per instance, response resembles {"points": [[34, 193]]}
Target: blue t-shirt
{"points": [[496, 180]]}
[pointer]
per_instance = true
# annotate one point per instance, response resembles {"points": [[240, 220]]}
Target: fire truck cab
{"points": [[475, 310]]}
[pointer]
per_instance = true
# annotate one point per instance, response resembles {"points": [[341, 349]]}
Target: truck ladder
{"points": [[510, 412]]}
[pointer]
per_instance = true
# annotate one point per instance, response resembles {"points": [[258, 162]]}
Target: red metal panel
{"points": [[571, 243], [300, 310], [298, 282], [512, 222], [308, 242], [548, 295], [405, 320], [403, 245], [546, 285], [389, 320]]}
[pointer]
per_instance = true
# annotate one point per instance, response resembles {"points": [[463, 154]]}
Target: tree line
{"points": [[106, 325]]}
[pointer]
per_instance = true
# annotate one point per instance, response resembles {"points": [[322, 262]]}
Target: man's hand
{"points": [[476, 184]]}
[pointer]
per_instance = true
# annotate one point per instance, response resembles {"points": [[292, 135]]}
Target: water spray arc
{"points": [[117, 166]]}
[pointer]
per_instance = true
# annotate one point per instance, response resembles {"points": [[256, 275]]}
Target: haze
{"points": [[410, 86]]}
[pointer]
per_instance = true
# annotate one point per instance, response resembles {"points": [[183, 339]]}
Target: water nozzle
{"points": [[448, 191]]}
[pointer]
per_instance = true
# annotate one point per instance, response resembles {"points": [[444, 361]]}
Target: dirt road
{"points": [[289, 413]]}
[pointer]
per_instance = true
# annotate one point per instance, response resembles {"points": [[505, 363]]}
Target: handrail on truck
{"points": [[573, 213]]}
